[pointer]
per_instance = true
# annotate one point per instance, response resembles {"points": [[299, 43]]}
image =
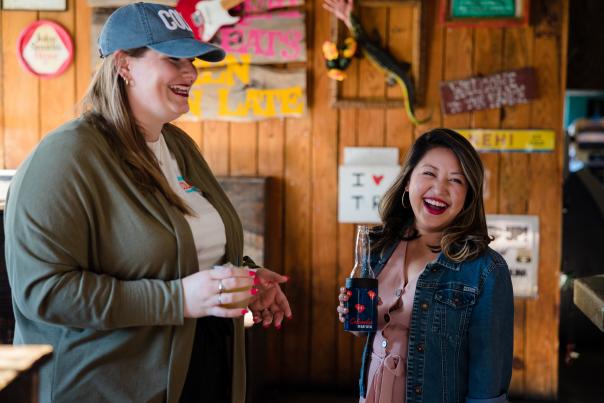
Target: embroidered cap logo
{"points": [[173, 20]]}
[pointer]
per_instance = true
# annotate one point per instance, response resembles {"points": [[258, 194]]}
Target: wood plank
{"points": [[514, 182], [324, 171], [435, 48], [542, 313], [216, 146], [400, 40], [193, 129], [243, 150], [58, 94], [457, 65], [348, 361], [271, 136], [82, 41], [372, 81], [21, 92], [297, 243], [488, 54]]}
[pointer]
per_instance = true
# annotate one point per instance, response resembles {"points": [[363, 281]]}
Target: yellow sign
{"points": [[496, 140]]}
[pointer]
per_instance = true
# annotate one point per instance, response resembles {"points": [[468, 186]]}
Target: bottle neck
{"points": [[362, 262]]}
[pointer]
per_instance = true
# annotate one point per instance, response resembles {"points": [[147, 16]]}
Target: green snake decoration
{"points": [[377, 55]]}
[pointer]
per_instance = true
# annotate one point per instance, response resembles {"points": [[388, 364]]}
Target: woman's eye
{"points": [[429, 173], [457, 181]]}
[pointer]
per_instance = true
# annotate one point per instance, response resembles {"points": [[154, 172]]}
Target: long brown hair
{"points": [[466, 237], [108, 110]]}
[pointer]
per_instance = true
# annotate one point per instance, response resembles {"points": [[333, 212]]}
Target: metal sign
{"points": [[494, 140], [45, 49]]}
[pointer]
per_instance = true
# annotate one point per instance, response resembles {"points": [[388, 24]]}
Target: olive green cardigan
{"points": [[95, 267]]}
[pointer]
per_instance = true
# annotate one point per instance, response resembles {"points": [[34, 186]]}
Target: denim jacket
{"points": [[461, 331]]}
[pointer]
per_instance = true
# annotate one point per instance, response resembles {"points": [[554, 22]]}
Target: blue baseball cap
{"points": [[155, 26]]}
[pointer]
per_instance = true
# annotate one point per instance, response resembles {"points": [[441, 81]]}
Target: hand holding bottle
{"points": [[343, 298], [361, 292]]}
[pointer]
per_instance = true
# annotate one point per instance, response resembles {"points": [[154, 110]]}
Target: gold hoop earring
{"points": [[403, 199]]}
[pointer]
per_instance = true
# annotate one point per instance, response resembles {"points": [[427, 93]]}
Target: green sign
{"points": [[483, 8]]}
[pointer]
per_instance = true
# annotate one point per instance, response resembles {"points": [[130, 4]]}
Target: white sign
{"points": [[363, 179], [517, 240], [57, 5]]}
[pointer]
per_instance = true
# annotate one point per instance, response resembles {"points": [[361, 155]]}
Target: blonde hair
{"points": [[106, 107]]}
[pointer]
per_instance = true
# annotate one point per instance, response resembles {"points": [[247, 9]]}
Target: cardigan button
{"points": [[424, 306], [420, 347], [434, 270], [418, 390]]}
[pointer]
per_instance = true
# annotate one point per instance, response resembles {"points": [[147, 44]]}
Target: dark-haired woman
{"points": [[446, 312], [114, 225]]}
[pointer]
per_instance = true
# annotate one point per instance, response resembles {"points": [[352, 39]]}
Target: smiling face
{"points": [[437, 190], [159, 86]]}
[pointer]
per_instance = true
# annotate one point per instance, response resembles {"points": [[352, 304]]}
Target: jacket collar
{"points": [[442, 260]]}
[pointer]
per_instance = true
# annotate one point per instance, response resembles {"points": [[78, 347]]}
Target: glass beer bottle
{"points": [[362, 288]]}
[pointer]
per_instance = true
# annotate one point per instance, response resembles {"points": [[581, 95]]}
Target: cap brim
{"points": [[189, 47]]}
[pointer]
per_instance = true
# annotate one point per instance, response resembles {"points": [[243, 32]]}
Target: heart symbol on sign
{"points": [[349, 293], [377, 179], [360, 308]]}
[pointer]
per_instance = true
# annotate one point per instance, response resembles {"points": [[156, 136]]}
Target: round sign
{"points": [[45, 49]]}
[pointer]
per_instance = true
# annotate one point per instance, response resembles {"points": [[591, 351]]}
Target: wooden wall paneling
{"points": [[216, 146], [324, 174], [347, 361], [58, 94], [297, 247], [193, 129], [546, 171], [271, 135], [435, 47], [21, 92], [243, 150], [457, 59], [372, 81], [81, 33], [399, 40], [488, 53], [347, 127], [514, 182]]}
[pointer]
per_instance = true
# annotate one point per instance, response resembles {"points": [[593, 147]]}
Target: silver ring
{"points": [[220, 287], [220, 299]]}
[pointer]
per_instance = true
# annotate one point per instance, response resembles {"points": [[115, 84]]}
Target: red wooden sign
{"points": [[490, 92]]}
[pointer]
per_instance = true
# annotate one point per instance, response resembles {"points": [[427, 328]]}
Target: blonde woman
{"points": [[446, 309], [113, 225]]}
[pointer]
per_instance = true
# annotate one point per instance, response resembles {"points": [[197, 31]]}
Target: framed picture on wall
{"points": [[46, 5], [484, 13]]}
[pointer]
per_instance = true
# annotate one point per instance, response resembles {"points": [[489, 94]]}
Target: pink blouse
{"points": [[388, 367]]}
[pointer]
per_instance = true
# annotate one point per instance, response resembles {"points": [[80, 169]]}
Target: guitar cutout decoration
{"points": [[206, 17]]}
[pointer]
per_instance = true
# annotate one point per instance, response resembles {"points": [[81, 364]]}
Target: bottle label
{"points": [[362, 305]]}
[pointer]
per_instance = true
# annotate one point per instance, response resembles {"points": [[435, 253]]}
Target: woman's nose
{"points": [[190, 71]]}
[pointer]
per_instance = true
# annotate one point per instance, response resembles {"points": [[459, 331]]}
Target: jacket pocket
{"points": [[453, 307]]}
